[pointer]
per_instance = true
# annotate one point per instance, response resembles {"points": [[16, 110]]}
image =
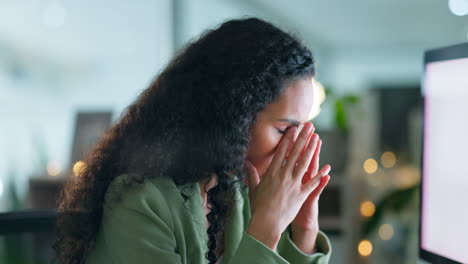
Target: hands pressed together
{"points": [[289, 191]]}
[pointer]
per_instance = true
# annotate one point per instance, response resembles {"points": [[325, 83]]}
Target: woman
{"points": [[168, 182]]}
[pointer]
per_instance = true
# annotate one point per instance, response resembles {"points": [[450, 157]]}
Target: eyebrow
{"points": [[292, 121]]}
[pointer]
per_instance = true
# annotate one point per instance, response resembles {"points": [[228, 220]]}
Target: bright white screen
{"points": [[444, 227]]}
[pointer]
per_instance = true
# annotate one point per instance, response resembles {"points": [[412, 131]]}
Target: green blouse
{"points": [[153, 223]]}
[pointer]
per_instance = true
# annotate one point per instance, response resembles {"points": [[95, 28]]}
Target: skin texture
{"points": [[294, 104]]}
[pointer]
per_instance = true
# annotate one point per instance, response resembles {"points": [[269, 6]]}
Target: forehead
{"points": [[295, 102]]}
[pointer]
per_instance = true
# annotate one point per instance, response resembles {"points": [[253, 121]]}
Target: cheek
{"points": [[262, 149]]}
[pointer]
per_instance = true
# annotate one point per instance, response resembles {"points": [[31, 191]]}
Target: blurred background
{"points": [[69, 68]]}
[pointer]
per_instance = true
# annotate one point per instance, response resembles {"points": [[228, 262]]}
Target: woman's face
{"points": [[292, 108]]}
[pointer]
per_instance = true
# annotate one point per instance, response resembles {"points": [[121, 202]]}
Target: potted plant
{"points": [[336, 139]]}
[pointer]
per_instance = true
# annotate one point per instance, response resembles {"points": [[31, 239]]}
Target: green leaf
{"points": [[328, 91], [351, 99], [340, 116]]}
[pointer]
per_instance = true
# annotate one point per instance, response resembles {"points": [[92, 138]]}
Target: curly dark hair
{"points": [[192, 121]]}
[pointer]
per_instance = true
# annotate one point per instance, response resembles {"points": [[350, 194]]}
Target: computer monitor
{"points": [[443, 236]]}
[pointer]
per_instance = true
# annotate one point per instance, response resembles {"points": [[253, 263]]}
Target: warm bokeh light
{"points": [[365, 248], [405, 176], [319, 98], [53, 168], [370, 166], [388, 159], [79, 167], [367, 208], [386, 232]]}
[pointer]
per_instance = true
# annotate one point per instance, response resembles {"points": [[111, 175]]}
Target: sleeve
{"points": [[134, 233], [251, 250], [289, 251]]}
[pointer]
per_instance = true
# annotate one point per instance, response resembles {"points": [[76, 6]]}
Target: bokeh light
{"points": [[53, 168], [405, 176], [79, 167], [370, 166], [365, 248], [388, 159], [458, 7], [386, 232], [367, 208]]}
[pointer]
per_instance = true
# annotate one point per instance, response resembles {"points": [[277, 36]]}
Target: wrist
{"points": [[299, 229], [305, 239], [263, 233]]}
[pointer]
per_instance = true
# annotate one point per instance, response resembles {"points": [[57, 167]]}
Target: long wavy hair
{"points": [[193, 120]]}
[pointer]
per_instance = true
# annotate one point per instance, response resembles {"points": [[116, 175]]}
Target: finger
{"points": [[252, 175], [311, 171], [310, 185], [305, 159], [280, 153], [297, 148], [314, 165], [309, 138], [323, 183], [299, 129], [306, 177], [305, 146]]}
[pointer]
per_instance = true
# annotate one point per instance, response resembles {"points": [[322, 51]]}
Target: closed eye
{"points": [[281, 131]]}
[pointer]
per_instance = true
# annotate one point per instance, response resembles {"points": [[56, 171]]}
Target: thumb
{"points": [[252, 175]]}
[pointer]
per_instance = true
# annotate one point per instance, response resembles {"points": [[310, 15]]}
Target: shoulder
{"points": [[137, 224], [150, 197]]}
